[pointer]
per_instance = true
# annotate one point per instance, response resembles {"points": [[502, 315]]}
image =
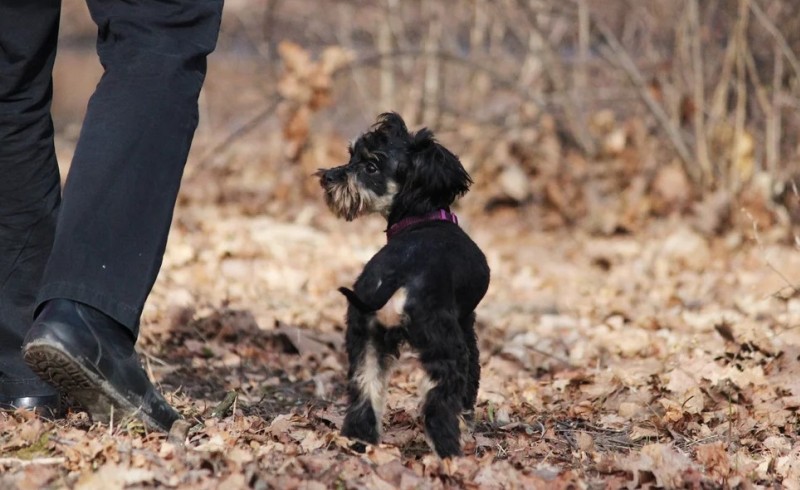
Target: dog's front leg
{"points": [[367, 379]]}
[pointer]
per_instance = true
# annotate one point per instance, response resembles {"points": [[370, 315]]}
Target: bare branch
{"points": [[624, 61], [779, 38], [698, 86]]}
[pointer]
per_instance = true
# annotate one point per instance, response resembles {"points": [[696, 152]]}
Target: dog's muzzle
{"points": [[342, 194], [331, 176]]}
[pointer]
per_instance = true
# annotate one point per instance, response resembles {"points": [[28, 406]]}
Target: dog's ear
{"points": [[433, 174], [392, 125]]}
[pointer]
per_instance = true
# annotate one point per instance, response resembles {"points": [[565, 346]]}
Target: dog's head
{"points": [[394, 173]]}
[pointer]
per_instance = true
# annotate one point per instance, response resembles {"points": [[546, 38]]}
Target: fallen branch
{"points": [[225, 405], [28, 462]]}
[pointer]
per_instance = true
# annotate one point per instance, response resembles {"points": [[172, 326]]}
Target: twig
{"points": [[387, 68], [730, 424], [719, 99], [774, 119], [698, 86], [552, 356], [478, 34], [797, 195], [433, 68], [345, 11], [760, 92], [394, 20], [740, 111], [232, 137], [770, 27], [581, 74], [225, 405], [28, 462], [245, 18], [155, 359]]}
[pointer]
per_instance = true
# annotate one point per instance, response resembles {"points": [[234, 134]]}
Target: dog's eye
{"points": [[371, 168]]}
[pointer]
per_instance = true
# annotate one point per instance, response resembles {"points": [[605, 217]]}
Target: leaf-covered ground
{"points": [[661, 358], [636, 333]]}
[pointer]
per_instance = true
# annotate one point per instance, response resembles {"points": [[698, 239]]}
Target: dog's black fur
{"points": [[431, 271]]}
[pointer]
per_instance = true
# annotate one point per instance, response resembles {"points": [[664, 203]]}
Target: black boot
{"points": [[45, 406], [91, 357]]}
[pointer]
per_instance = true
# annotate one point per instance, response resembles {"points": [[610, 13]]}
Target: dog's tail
{"points": [[392, 337], [357, 302]]}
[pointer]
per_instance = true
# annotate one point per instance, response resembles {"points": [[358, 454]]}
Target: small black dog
{"points": [[421, 288]]}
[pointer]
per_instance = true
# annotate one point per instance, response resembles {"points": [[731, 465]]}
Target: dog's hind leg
{"points": [[370, 365], [444, 356], [473, 367]]}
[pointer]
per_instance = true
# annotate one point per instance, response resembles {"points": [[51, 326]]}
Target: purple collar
{"points": [[438, 215]]}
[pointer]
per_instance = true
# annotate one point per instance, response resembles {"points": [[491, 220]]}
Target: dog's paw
{"points": [[359, 447]]}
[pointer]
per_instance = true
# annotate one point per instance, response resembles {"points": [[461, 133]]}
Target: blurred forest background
{"points": [[636, 168], [603, 113]]}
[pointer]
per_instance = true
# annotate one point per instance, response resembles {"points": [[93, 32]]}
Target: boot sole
{"points": [[99, 397]]}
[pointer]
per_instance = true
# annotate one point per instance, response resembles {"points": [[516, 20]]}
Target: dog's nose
{"points": [[331, 176]]}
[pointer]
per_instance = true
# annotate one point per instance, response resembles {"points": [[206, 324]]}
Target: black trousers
{"points": [[103, 240]]}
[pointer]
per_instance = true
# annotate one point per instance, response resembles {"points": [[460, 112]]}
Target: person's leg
{"points": [[124, 178], [29, 183], [118, 202]]}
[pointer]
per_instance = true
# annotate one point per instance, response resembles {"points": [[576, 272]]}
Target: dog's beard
{"points": [[349, 199]]}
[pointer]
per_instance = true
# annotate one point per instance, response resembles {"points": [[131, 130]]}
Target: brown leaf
{"points": [[668, 466], [294, 57], [382, 454], [714, 457], [111, 476], [585, 441], [306, 342]]}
